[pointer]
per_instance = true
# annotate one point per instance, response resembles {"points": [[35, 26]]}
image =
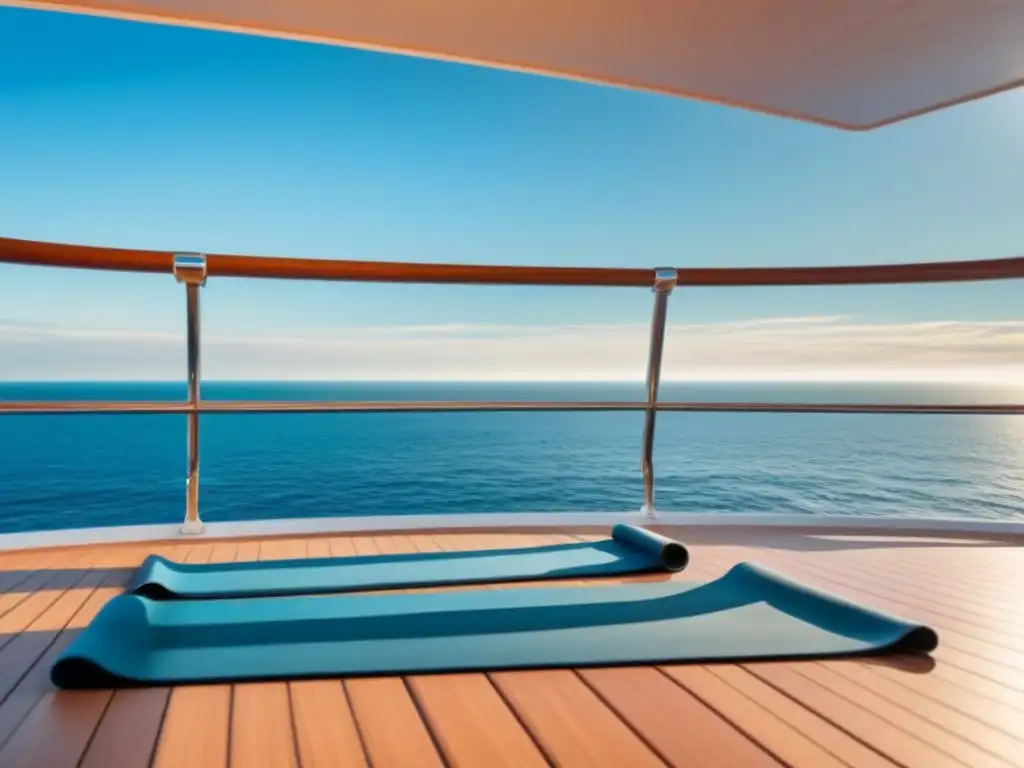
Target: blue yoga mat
{"points": [[750, 613], [629, 550]]}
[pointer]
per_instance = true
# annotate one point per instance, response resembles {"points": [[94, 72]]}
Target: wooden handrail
{"points": [[88, 257], [867, 274]]}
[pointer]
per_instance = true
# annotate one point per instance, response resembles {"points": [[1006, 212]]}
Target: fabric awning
{"points": [[853, 64]]}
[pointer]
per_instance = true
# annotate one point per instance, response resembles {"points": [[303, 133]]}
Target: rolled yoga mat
{"points": [[629, 550], [749, 613]]}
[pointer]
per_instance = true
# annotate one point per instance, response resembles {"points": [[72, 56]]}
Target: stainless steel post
{"points": [[664, 281], [190, 269]]}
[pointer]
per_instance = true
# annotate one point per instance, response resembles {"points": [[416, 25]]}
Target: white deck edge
{"points": [[343, 525]]}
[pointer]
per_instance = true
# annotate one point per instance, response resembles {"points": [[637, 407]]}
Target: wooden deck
{"points": [[964, 706]]}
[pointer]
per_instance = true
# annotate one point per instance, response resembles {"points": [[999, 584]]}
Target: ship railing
{"points": [[194, 269]]}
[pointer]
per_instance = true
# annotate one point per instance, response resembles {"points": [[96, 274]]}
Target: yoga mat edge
{"points": [[750, 613], [629, 550]]}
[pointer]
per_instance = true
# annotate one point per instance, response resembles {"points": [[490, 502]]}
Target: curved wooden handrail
{"points": [[217, 265], [867, 274], [31, 252]]}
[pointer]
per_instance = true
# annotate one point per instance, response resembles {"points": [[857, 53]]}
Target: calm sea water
{"points": [[93, 470]]}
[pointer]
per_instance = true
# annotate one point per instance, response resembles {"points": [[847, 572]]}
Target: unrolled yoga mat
{"points": [[750, 613], [629, 550]]}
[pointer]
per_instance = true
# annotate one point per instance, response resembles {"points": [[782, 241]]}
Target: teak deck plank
{"points": [[126, 736], [656, 708], [195, 728], [963, 707], [570, 722], [968, 653], [318, 548], [325, 729], [247, 551], [796, 735], [57, 730], [950, 715], [857, 720], [26, 688], [261, 726], [390, 724], [472, 724]]}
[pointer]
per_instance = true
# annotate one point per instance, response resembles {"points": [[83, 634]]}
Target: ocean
{"points": [[71, 471]]}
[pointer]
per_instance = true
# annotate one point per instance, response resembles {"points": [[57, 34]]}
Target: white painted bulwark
{"points": [[456, 522]]}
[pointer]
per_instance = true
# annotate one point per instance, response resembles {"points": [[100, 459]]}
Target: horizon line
{"points": [[640, 381]]}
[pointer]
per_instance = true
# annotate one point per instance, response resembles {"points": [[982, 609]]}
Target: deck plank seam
{"points": [[151, 763], [992, 677], [969, 669], [980, 574], [797, 668], [424, 544], [875, 568], [964, 626], [12, 589], [229, 741], [509, 706], [76, 562], [95, 730], [941, 671], [30, 667], [56, 636], [422, 715], [916, 713], [630, 726], [804, 707], [750, 737], [988, 587], [544, 752], [358, 726], [439, 544], [296, 752], [831, 579], [732, 553], [824, 716], [979, 609], [418, 705], [925, 693], [977, 580]]}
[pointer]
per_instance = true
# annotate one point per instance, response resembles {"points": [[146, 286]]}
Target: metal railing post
{"points": [[190, 269], [664, 282]]}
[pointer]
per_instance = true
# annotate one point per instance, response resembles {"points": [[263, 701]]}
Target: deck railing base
{"points": [[192, 527]]}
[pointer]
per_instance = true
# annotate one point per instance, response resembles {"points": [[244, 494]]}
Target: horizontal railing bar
{"points": [[265, 406], [951, 408], [88, 257], [416, 406], [91, 406], [259, 406]]}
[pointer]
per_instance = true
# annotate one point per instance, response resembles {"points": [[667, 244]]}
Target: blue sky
{"points": [[124, 134]]}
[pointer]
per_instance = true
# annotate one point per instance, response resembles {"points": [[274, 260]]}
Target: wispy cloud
{"points": [[770, 348]]}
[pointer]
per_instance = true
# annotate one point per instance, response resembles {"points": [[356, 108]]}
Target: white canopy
{"points": [[849, 63]]}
